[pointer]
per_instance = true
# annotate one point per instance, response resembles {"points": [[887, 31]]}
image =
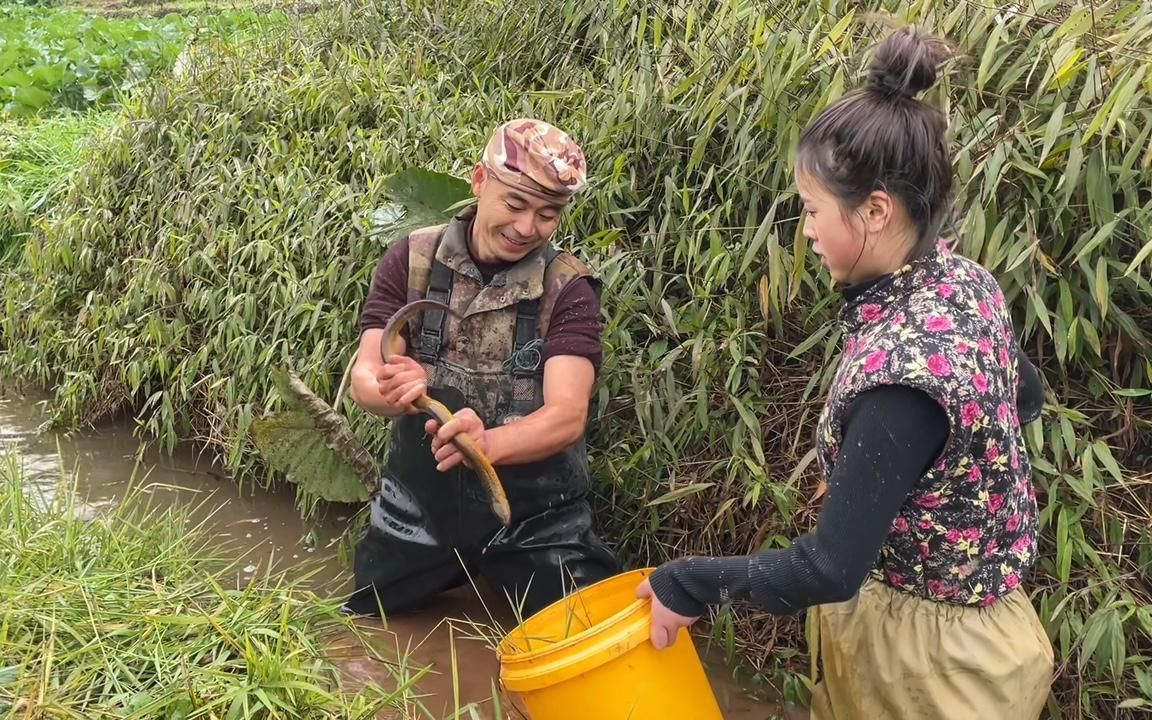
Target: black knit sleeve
{"points": [[891, 436]]}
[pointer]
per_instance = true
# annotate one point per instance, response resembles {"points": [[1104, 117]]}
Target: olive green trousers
{"points": [[887, 655]]}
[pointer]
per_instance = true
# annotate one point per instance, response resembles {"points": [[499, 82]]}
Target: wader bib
{"points": [[430, 530]]}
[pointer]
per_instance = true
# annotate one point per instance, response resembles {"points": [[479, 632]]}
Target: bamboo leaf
{"points": [[1117, 644], [669, 316], [680, 493], [1069, 434], [1067, 70], [765, 298], [799, 254], [1090, 335], [1039, 309], [1098, 237], [1052, 131], [1132, 392], [1104, 453], [809, 342], [1069, 181], [1140, 257], [1122, 102], [1063, 550], [836, 33], [988, 57], [745, 415], [1102, 287], [1022, 256]]}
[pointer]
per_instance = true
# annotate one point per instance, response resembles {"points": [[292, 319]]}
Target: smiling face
{"points": [[510, 222]]}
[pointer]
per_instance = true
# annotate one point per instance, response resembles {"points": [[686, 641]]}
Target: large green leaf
{"points": [[420, 198], [313, 446]]}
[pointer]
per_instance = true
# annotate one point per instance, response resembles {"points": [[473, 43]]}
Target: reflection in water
{"points": [[449, 641]]}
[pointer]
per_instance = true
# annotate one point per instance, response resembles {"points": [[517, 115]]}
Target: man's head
{"points": [[529, 172]]}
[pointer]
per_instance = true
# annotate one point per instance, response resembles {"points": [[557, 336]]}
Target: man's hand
{"points": [[466, 422], [400, 381], [665, 623]]}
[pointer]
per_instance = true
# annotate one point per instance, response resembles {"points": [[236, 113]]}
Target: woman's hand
{"points": [[665, 623]]}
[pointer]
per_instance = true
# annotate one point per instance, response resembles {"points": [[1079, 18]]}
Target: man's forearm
{"points": [[536, 436], [365, 393]]}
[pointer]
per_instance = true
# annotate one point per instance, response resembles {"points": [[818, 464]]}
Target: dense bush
{"points": [[60, 58], [228, 225], [62, 72]]}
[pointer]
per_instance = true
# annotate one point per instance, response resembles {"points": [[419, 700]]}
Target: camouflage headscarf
{"points": [[536, 157]]}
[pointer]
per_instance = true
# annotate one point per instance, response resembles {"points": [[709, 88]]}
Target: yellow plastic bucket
{"points": [[588, 656]]}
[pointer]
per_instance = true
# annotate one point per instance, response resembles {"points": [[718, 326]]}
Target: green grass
{"points": [[227, 226], [120, 617], [36, 158]]}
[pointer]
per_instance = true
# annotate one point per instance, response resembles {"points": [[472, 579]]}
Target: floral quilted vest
{"points": [[967, 533]]}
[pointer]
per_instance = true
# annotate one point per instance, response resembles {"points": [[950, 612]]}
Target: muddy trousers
{"points": [[887, 655]]}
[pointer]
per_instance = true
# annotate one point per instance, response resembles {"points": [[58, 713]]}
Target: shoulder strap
{"points": [[526, 332], [527, 326], [432, 323]]}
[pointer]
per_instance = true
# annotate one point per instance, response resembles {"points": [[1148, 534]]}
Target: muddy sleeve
{"points": [[892, 435], [389, 290], [574, 328]]}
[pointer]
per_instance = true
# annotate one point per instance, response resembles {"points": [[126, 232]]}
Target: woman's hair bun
{"points": [[907, 62]]}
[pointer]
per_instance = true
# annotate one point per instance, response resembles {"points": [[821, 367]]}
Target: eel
{"points": [[497, 498]]}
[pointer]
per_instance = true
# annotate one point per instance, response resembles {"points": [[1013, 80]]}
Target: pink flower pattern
{"points": [[970, 413], [941, 325], [875, 361], [980, 382], [938, 323], [871, 312], [939, 365], [1004, 413]]}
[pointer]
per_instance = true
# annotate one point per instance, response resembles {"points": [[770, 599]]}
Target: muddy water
{"points": [[263, 531]]}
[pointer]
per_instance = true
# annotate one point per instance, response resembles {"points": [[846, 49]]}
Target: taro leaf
{"points": [[314, 446], [426, 197], [33, 97]]}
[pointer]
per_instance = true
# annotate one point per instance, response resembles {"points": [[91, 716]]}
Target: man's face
{"points": [[510, 223]]}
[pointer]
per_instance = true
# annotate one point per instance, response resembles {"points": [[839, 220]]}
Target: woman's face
{"points": [[837, 237], [855, 245]]}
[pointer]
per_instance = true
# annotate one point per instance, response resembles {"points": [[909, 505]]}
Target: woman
{"points": [[929, 523]]}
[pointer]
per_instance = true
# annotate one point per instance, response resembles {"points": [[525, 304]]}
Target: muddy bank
{"points": [[448, 645]]}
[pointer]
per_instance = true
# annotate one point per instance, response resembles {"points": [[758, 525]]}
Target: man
{"points": [[517, 369]]}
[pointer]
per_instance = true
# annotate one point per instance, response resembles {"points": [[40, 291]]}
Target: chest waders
{"points": [[430, 530]]}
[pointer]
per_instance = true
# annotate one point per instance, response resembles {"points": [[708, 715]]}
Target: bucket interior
{"points": [[580, 612]]}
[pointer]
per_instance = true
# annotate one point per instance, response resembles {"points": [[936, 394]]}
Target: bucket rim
{"points": [[616, 619]]}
